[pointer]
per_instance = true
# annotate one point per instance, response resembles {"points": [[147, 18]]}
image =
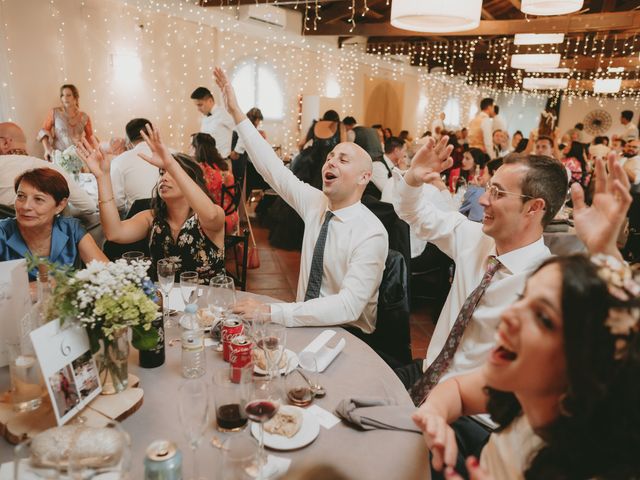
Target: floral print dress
{"points": [[194, 251]]}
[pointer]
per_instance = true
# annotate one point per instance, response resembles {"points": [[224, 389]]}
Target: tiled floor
{"points": [[278, 278]]}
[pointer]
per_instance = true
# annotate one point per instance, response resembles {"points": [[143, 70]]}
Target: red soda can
{"points": [[240, 355], [231, 328]]}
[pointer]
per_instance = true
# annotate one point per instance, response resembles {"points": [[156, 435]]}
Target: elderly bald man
{"points": [[15, 160], [344, 246]]}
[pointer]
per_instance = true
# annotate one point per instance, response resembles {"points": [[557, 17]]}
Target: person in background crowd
{"points": [[471, 207], [241, 166], [133, 178], [387, 134], [65, 125], [394, 156], [39, 229], [499, 123], [365, 137], [545, 146], [183, 220], [437, 126], [617, 145], [481, 127], [14, 160], [340, 286], [500, 143], [630, 129], [380, 131], [573, 157], [473, 160], [515, 140], [463, 136], [215, 121], [216, 174], [404, 136], [598, 149], [630, 161]]}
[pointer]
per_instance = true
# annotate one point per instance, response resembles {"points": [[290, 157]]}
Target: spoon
{"points": [[318, 390]]}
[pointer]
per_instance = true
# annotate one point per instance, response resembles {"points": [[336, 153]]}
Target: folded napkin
{"points": [[371, 413], [323, 354]]}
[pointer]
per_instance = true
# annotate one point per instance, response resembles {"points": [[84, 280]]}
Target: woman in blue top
{"points": [[39, 229]]}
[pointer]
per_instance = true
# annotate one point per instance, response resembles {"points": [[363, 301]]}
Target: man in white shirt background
{"points": [[437, 126], [216, 121], [345, 246], [15, 160], [481, 127], [630, 131], [132, 177], [395, 152]]}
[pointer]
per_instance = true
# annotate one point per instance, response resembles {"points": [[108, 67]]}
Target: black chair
{"points": [[392, 336], [7, 211], [231, 197], [114, 250], [230, 243], [431, 275]]}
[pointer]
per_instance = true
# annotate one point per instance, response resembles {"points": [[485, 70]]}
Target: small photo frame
{"points": [[68, 367]]}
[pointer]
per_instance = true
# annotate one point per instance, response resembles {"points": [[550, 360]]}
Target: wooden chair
{"points": [[240, 274]]}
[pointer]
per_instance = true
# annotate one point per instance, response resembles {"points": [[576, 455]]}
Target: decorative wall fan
{"points": [[597, 122]]}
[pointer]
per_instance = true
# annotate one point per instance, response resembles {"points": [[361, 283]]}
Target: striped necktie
{"points": [[315, 273]]}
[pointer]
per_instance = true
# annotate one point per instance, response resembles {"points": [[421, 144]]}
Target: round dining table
{"points": [[356, 371]]}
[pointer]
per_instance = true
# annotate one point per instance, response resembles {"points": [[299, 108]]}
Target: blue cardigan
{"points": [[65, 236]]}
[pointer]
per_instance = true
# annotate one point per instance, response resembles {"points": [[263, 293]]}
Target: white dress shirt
{"points": [[354, 255], [630, 132], [132, 177], [380, 173], [442, 199], [220, 126], [499, 123], [464, 241], [13, 165]]}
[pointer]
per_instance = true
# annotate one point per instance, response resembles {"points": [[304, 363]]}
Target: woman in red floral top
{"points": [[216, 173]]}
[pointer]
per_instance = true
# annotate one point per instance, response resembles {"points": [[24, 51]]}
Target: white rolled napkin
{"points": [[323, 354]]}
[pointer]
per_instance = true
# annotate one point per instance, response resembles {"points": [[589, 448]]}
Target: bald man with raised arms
{"points": [[344, 246]]}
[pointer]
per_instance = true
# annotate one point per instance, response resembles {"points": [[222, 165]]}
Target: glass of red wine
{"points": [[264, 403]]}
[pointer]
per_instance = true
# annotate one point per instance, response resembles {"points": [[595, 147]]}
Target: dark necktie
{"points": [[431, 377], [315, 273]]}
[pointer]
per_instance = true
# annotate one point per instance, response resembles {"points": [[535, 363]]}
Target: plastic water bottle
{"points": [[193, 358]]}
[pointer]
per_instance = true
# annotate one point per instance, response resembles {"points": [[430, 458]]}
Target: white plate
{"points": [[292, 362], [308, 431]]}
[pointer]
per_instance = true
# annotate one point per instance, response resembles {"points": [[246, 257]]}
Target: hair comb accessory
{"points": [[622, 320]]}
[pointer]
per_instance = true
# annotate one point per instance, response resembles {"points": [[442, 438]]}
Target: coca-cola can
{"points": [[231, 328], [240, 355]]}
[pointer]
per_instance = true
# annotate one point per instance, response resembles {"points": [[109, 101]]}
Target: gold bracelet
{"points": [[100, 202]]}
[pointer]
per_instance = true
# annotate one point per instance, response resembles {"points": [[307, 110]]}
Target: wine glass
{"points": [[221, 297], [188, 285], [193, 413], [238, 458], [133, 256], [166, 268], [264, 403], [271, 339]]}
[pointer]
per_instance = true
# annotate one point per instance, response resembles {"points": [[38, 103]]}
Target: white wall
{"points": [[574, 111]]}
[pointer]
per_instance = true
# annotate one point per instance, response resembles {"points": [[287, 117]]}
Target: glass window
{"points": [[256, 85], [452, 112]]}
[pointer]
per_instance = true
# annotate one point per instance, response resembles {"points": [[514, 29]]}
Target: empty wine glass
{"points": [[193, 413], [188, 285], [271, 339], [222, 296], [264, 403], [166, 269]]}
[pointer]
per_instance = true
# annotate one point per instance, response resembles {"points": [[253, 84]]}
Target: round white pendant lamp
{"points": [[436, 15], [550, 7]]}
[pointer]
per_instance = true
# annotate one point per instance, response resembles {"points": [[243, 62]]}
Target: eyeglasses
{"points": [[495, 193]]}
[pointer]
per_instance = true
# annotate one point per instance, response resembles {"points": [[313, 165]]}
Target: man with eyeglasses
{"points": [[493, 259]]}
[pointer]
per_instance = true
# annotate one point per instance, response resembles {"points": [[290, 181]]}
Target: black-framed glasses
{"points": [[496, 193]]}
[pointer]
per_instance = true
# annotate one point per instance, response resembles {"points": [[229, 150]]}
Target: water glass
{"points": [[193, 413], [238, 458], [271, 338], [27, 384], [188, 286], [133, 256], [232, 388], [166, 269], [222, 295], [193, 355]]}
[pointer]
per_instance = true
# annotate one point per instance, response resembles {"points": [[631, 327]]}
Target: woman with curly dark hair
{"points": [[183, 221], [562, 380]]}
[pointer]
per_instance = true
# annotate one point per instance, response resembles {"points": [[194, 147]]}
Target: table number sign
{"points": [[68, 368], [15, 303]]}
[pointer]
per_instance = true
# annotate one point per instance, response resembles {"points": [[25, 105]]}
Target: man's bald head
{"points": [[345, 174], [11, 138], [360, 155]]}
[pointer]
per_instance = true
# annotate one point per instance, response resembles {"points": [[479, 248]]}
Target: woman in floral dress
{"points": [[216, 173], [183, 221]]}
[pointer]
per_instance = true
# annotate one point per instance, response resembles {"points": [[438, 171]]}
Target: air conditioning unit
{"points": [[266, 15]]}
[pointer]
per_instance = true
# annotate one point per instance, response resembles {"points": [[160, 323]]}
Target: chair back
{"points": [[240, 255], [231, 196], [114, 250]]}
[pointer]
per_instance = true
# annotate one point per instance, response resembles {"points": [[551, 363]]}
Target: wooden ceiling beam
{"points": [[486, 15], [338, 12], [516, 3], [561, 24]]}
